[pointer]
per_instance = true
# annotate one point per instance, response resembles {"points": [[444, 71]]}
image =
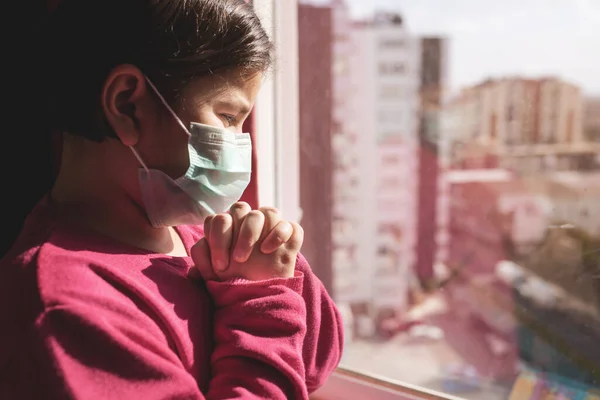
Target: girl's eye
{"points": [[229, 118]]}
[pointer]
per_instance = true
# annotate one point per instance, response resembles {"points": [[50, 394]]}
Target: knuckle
{"points": [[240, 207], [255, 214], [277, 234], [298, 228], [283, 229], [271, 214], [221, 220], [269, 210], [272, 217]]}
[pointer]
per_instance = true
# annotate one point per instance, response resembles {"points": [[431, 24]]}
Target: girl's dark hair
{"points": [[171, 41], [78, 43]]}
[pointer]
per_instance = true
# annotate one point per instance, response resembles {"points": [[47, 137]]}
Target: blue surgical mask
{"points": [[219, 172]]}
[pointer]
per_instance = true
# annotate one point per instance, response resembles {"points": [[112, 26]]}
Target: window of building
{"points": [[391, 116], [342, 37], [391, 92], [383, 136], [340, 66], [391, 182], [392, 68], [391, 160], [392, 43]]}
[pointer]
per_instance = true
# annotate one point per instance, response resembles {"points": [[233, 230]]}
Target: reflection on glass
{"points": [[455, 218]]}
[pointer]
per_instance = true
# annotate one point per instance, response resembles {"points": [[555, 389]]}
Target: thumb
{"points": [[202, 268]]}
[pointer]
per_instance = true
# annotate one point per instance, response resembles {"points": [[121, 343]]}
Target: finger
{"points": [[250, 232], [238, 212], [207, 223], [202, 268], [279, 235], [272, 218], [220, 241], [297, 238]]}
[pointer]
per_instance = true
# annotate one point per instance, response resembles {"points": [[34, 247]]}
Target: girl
{"points": [[113, 289]]}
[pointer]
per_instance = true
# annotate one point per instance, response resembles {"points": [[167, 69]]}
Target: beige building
{"points": [[525, 125], [591, 119], [560, 113]]}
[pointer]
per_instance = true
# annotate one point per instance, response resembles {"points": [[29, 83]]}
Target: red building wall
{"points": [[476, 228], [480, 306], [315, 26], [432, 62]]}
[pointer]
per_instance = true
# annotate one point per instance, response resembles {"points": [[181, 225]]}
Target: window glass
{"points": [[456, 219]]}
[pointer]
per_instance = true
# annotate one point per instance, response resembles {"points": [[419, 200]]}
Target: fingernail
{"points": [[239, 256], [220, 265]]}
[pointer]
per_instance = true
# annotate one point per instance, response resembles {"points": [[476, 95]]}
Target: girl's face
{"points": [[223, 100], [142, 121]]}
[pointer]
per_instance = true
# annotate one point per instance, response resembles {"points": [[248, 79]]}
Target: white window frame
{"points": [[277, 143], [277, 114]]}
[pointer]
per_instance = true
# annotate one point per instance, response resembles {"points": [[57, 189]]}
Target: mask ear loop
{"points": [[162, 99], [137, 155]]}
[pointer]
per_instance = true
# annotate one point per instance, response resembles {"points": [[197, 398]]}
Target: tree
{"points": [[568, 332]]}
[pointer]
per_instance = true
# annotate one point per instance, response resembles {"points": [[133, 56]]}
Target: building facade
{"points": [[525, 125], [387, 104]]}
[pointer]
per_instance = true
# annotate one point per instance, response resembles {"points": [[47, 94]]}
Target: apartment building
{"points": [[384, 94], [591, 119], [525, 125], [387, 79]]}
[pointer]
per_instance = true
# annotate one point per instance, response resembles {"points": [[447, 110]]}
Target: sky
{"points": [[494, 38]]}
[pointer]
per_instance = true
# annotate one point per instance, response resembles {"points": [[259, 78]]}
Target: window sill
{"points": [[345, 384]]}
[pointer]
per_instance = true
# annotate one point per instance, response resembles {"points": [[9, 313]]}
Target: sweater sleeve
{"points": [[324, 340], [83, 352]]}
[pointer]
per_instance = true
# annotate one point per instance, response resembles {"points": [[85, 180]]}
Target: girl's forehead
{"points": [[228, 87]]}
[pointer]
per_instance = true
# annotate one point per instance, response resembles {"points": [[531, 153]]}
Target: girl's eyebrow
{"points": [[234, 100]]}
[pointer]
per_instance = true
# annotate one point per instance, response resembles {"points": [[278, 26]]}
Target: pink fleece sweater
{"points": [[85, 317]]}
